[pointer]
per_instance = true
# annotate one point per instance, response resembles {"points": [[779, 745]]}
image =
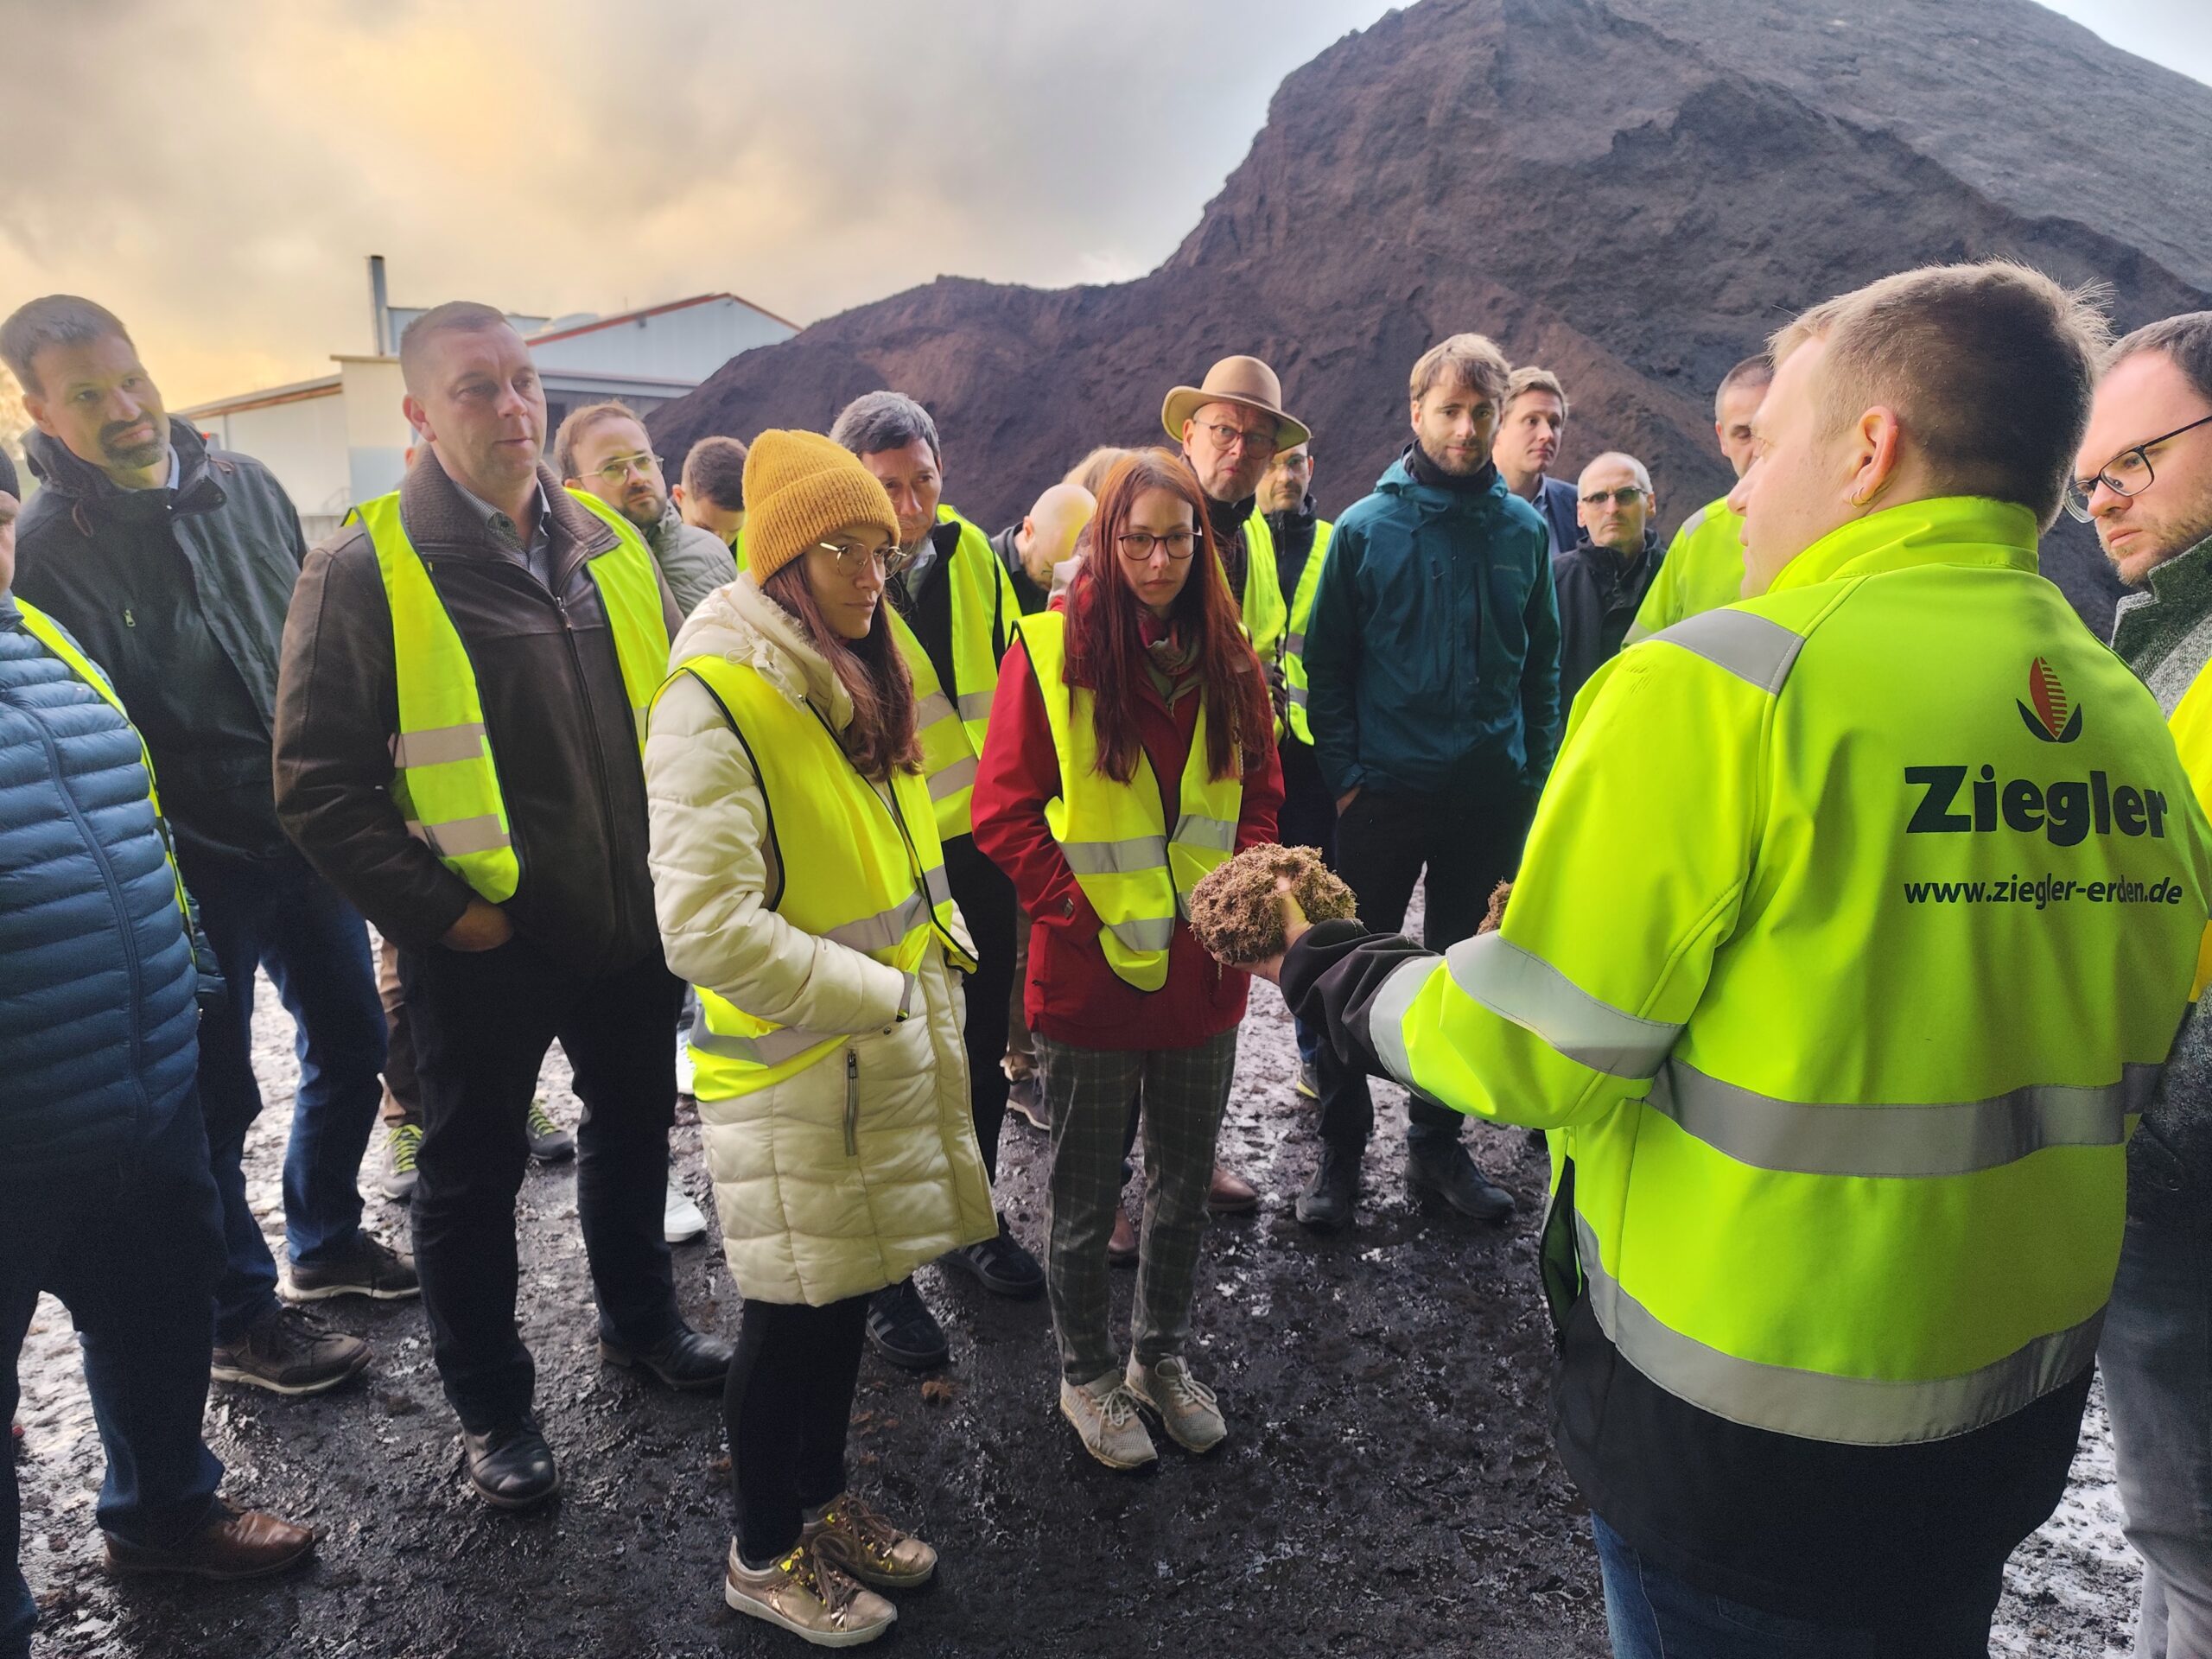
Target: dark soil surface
{"points": [[1388, 1487]]}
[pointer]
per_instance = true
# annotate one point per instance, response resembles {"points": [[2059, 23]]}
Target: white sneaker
{"points": [[681, 1220], [683, 1068], [1187, 1408], [1104, 1414]]}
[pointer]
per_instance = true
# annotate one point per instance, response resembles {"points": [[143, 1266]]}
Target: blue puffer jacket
{"points": [[99, 992]]}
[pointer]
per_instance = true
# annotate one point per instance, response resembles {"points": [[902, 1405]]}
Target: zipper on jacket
{"points": [[852, 1104], [136, 968], [598, 749]]}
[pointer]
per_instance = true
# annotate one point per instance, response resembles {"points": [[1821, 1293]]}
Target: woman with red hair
{"points": [[1131, 750]]}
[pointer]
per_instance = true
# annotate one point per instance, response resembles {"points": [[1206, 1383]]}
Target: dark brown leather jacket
{"points": [[554, 709]]}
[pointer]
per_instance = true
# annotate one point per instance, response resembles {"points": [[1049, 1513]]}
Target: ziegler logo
{"points": [[2051, 719]]}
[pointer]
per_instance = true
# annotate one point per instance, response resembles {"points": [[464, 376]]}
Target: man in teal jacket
{"points": [[1432, 658]]}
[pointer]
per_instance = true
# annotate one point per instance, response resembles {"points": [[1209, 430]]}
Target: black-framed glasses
{"points": [[2128, 473], [1136, 545], [618, 467], [852, 559], [1227, 437], [1627, 494]]}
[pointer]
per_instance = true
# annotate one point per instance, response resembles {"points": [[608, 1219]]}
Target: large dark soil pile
{"points": [[1633, 192]]}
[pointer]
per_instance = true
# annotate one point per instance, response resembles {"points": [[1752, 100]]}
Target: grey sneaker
{"points": [[1104, 1414], [396, 1174], [548, 1142], [370, 1268], [288, 1352], [808, 1595], [1187, 1408]]}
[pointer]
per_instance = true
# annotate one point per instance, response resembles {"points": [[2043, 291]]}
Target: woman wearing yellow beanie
{"points": [[801, 891]]}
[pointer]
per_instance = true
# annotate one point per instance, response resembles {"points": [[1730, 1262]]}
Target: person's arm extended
{"points": [[1332, 652], [1573, 1005], [713, 862]]}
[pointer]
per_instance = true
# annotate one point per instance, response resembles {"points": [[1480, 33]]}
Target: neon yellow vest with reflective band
{"points": [[952, 728], [1265, 614], [2191, 725], [1135, 872], [444, 780], [1847, 1049], [44, 629], [850, 867], [1294, 639], [1703, 569]]}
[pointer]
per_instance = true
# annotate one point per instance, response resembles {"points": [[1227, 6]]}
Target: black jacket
{"points": [[180, 596], [1598, 599], [556, 711]]}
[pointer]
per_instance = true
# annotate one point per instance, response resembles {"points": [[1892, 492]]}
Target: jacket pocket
{"points": [[852, 1104]]}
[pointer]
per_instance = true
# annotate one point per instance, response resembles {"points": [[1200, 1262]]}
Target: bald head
{"points": [[1048, 535], [1613, 503]]}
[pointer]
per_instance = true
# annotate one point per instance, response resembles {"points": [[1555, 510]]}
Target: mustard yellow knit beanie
{"points": [[800, 489]]}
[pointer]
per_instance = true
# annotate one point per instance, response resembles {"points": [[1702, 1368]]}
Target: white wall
{"points": [[687, 344]]}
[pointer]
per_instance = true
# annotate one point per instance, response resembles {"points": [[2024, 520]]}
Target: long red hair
{"points": [[1106, 649]]}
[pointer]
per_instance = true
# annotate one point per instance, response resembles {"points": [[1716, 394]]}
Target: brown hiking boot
{"points": [[856, 1537], [809, 1596], [291, 1352], [231, 1545]]}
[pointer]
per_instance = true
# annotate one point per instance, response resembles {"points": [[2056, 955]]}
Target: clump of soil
{"points": [[1494, 918], [1234, 912]]}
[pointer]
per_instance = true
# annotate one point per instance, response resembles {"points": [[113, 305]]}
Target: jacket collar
{"points": [[199, 489], [740, 622], [2185, 580], [1398, 478], [437, 514], [1956, 529]]}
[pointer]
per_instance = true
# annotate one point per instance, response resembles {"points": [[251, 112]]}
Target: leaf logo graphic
{"points": [[2054, 718]]}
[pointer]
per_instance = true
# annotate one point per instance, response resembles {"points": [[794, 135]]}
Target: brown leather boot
{"points": [[1231, 1195], [232, 1544]]}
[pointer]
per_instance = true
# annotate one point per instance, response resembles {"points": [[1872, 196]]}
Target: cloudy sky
{"points": [[217, 172]]}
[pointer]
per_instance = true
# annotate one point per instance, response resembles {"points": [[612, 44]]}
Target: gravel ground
{"points": [[1388, 1485]]}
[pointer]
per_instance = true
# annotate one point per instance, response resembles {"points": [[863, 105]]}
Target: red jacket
{"points": [[1072, 996]]}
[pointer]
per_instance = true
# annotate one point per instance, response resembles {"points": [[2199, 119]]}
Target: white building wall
{"points": [[303, 443], [687, 344]]}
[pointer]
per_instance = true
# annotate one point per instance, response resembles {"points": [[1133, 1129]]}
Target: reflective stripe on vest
{"points": [[857, 870], [444, 780], [1293, 640], [2191, 726], [1135, 873], [49, 633], [952, 728]]}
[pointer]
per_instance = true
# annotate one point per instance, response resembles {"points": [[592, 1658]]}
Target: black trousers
{"points": [[482, 1023], [1468, 844], [788, 1403], [1308, 817], [986, 899]]}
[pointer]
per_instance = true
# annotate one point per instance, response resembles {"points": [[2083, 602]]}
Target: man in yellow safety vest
{"points": [[1704, 566]]}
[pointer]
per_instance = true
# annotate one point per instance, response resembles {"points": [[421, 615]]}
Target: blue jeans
{"points": [[2156, 1357], [1655, 1614], [132, 1248], [282, 917]]}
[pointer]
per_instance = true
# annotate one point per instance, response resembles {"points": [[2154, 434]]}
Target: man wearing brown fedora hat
{"points": [[1231, 425]]}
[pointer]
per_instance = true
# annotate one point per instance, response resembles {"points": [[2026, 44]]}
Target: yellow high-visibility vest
{"points": [[1294, 639], [860, 867], [1135, 872], [1265, 614], [445, 780], [952, 726], [1703, 569]]}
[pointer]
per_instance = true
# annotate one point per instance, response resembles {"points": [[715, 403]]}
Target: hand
{"points": [[482, 926], [1344, 800], [1294, 928]]}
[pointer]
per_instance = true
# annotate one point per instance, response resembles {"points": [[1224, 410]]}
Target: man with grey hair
{"points": [[1604, 576], [467, 669], [603, 448], [172, 562], [2144, 478], [1432, 662], [953, 611]]}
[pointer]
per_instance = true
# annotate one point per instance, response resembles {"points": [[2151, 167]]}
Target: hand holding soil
{"points": [[1252, 909]]}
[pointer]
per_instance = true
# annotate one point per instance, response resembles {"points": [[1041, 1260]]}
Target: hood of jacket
{"points": [[742, 624], [59, 468], [1398, 481]]}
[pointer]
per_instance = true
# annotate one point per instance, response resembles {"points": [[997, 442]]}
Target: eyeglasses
{"points": [[619, 467], [1136, 545], [1226, 437], [2127, 473], [851, 560], [1626, 494]]}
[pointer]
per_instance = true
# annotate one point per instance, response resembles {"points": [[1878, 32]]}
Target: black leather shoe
{"points": [[1330, 1197], [999, 1265], [689, 1360], [903, 1330], [511, 1468], [1446, 1169]]}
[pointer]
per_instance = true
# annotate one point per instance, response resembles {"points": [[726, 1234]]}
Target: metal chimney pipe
{"points": [[380, 306]]}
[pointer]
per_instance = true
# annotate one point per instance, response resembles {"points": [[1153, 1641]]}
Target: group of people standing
{"points": [[895, 821]]}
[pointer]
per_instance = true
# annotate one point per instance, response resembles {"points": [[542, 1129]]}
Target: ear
{"points": [[34, 406], [1190, 429], [1876, 443], [675, 494], [1027, 533], [418, 417]]}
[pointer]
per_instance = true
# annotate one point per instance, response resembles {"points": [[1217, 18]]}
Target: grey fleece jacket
{"points": [[2165, 636], [694, 561]]}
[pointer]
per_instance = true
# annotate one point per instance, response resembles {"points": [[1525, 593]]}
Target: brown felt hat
{"points": [[1244, 380]]}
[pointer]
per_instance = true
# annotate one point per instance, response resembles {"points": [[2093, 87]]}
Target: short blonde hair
{"points": [[1470, 360], [1091, 472], [1529, 378], [1989, 366]]}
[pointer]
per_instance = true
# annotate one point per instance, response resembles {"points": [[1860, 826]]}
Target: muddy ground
{"points": [[1387, 1488]]}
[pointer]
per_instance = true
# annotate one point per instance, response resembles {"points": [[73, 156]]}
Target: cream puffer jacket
{"points": [[801, 1220]]}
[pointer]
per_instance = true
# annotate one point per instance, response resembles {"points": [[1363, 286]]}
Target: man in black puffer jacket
{"points": [[1604, 577], [105, 1197], [173, 563]]}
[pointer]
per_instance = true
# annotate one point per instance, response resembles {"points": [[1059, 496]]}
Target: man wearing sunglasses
{"points": [[2144, 478], [603, 448], [1604, 576]]}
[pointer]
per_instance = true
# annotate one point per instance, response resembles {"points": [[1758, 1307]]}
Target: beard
{"points": [[2135, 563], [137, 456]]}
